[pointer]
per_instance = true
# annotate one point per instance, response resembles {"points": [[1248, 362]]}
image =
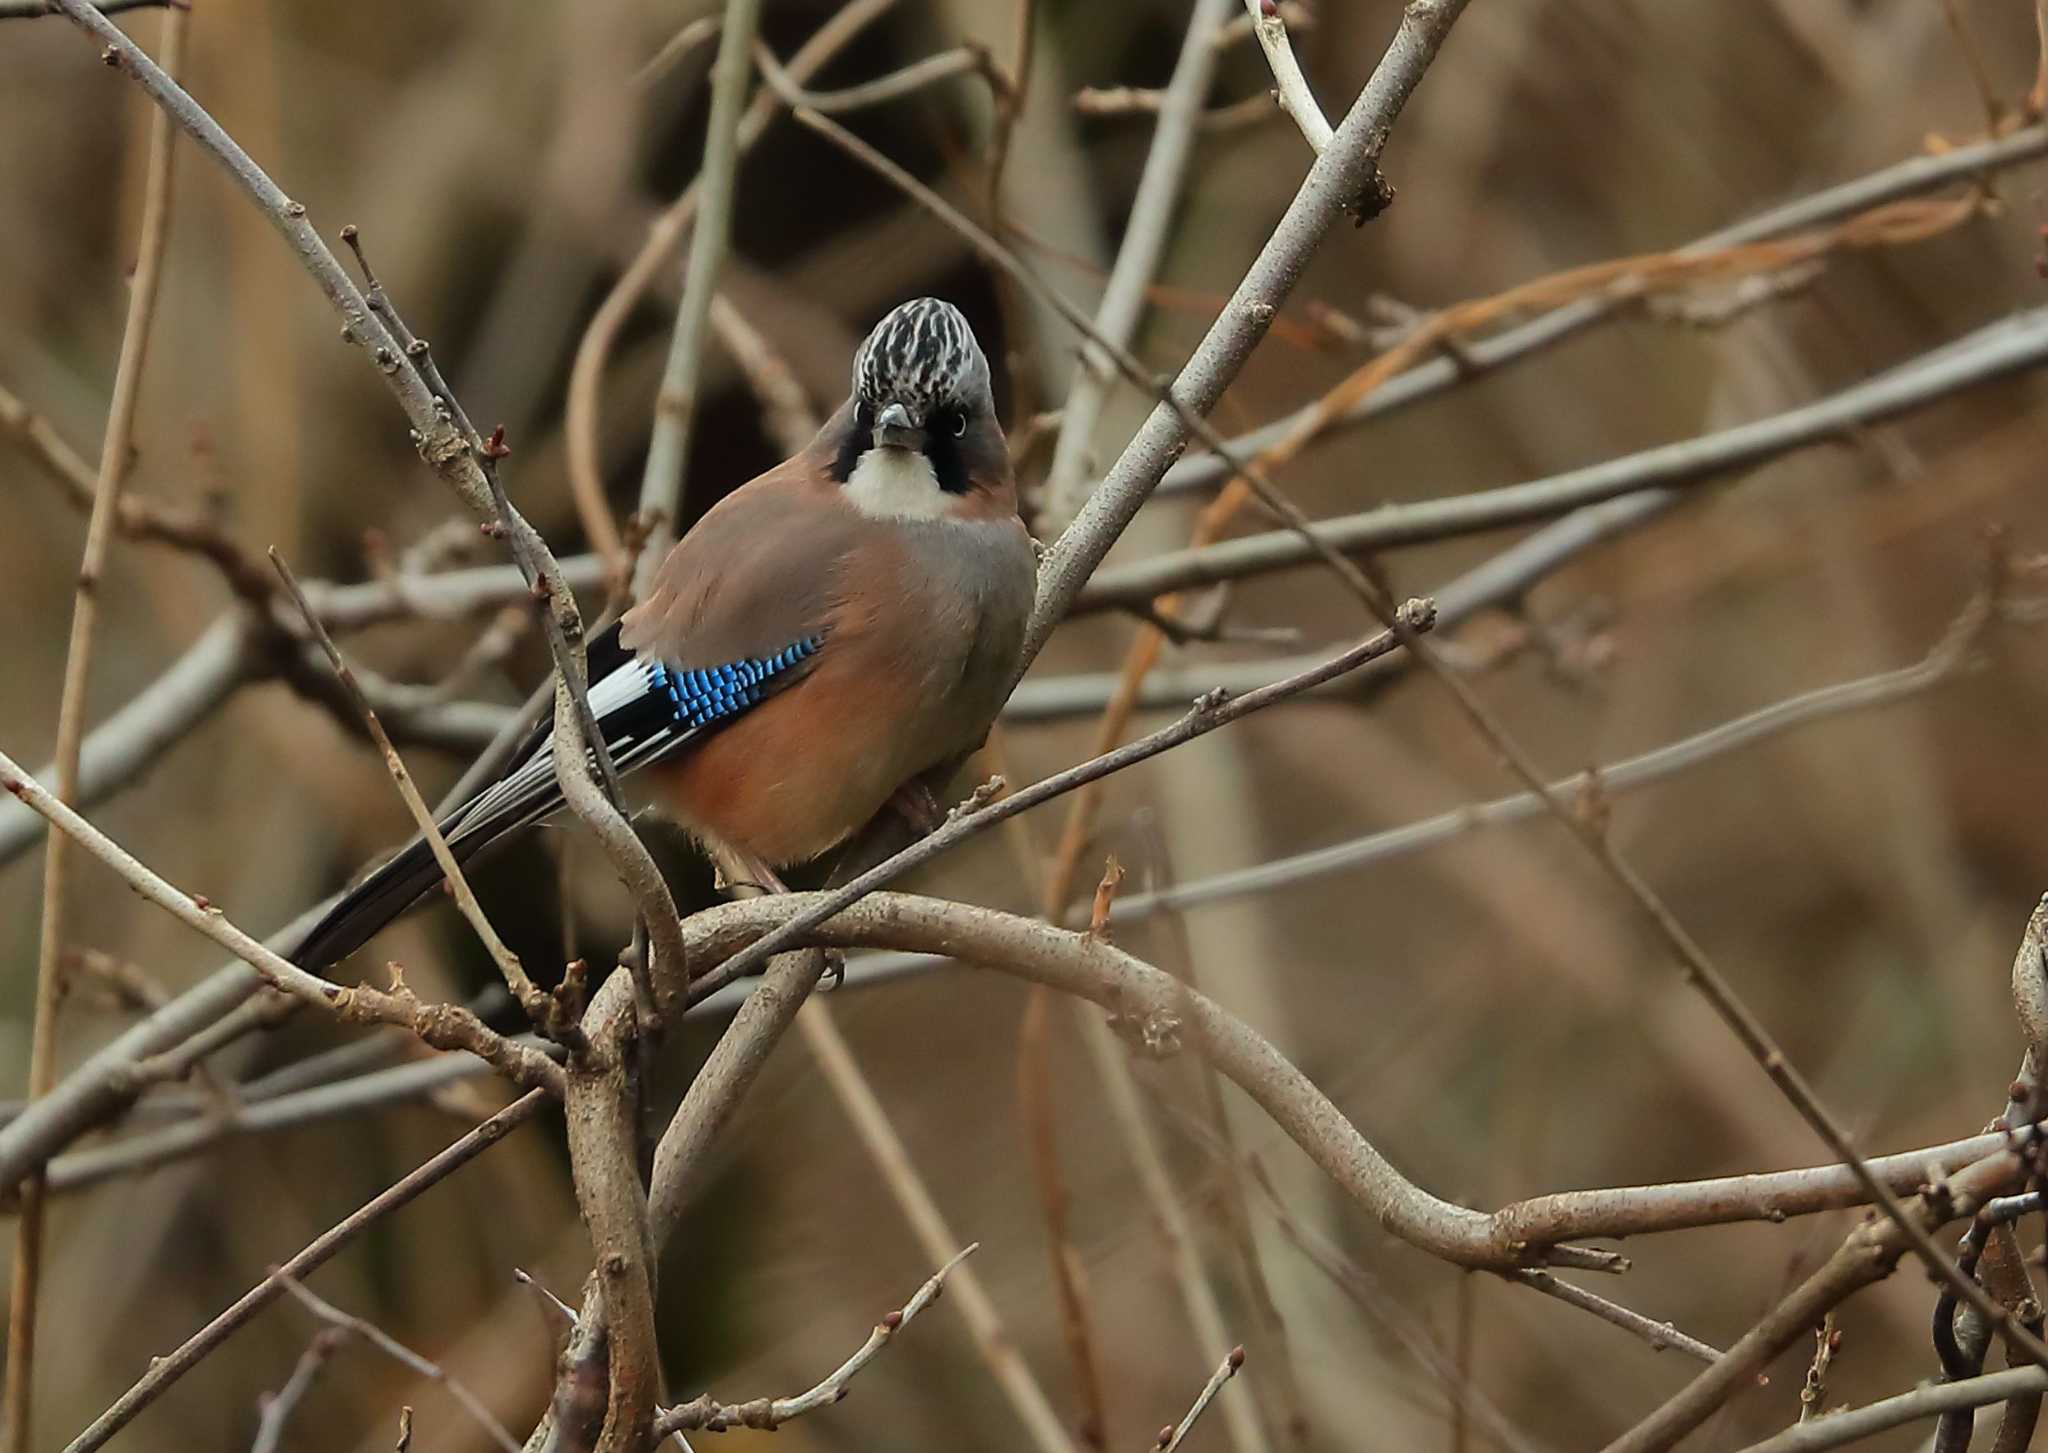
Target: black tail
{"points": [[638, 726], [394, 887]]}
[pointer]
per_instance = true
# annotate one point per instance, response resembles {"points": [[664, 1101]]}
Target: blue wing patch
{"points": [[706, 695]]}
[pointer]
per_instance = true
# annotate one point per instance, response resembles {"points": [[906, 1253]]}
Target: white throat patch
{"points": [[896, 484]]}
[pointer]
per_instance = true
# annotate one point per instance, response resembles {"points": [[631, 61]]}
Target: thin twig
{"points": [[1660, 1335], [1386, 1311], [398, 1352], [885, 1147], [1867, 1255], [197, 530], [1139, 101], [279, 1406], [1171, 1438], [1170, 1214], [1429, 376], [676, 47], [1233, 1206], [787, 415], [1296, 99], [1950, 657], [1813, 1395], [897, 84], [529, 997], [1156, 1007], [751, 878], [445, 1026], [769, 1414], [2011, 345], [49, 981], [164, 1371]]}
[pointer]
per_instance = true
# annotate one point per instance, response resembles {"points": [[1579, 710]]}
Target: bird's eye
{"points": [[957, 419]]}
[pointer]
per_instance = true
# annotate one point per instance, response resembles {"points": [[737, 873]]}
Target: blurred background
{"points": [[1486, 1011]]}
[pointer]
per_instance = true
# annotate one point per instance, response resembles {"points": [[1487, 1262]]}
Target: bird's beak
{"points": [[897, 428]]}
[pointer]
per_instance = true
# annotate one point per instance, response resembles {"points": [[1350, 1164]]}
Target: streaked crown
{"points": [[923, 355]]}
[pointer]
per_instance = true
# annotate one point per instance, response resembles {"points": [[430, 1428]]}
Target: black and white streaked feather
{"points": [[923, 354], [645, 710]]}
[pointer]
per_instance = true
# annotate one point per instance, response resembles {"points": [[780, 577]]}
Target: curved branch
{"points": [[1153, 1002]]}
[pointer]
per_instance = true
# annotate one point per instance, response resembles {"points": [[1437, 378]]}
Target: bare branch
{"points": [[586, 374], [1137, 258], [786, 411], [1332, 186], [1296, 99], [1850, 1425], [1151, 1001], [885, 1146], [536, 1004], [675, 408], [1138, 101], [256, 1113], [1660, 1335], [1432, 376], [164, 1371], [1867, 1255], [279, 1406], [769, 1414], [1998, 350], [897, 84], [195, 912], [49, 981], [446, 1026], [398, 1352], [1171, 1438]]}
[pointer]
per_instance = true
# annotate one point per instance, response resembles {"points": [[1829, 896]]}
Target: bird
{"points": [[820, 642]]}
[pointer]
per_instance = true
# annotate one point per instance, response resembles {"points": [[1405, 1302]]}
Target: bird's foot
{"points": [[917, 805]]}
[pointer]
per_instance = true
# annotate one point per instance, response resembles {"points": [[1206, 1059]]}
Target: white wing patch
{"points": [[896, 484]]}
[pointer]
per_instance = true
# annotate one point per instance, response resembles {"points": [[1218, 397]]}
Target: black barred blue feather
{"points": [[646, 710]]}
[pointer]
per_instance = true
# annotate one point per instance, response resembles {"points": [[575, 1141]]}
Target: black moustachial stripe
{"points": [[859, 438], [942, 447]]}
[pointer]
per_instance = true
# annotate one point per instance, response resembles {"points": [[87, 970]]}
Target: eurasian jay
{"points": [[825, 635]]}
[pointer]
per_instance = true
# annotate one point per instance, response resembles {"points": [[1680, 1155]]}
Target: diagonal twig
{"points": [[769, 1414], [398, 1352], [530, 998]]}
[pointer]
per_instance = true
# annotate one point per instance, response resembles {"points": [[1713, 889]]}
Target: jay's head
{"points": [[921, 417]]}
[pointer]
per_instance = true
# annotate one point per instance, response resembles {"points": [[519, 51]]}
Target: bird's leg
{"points": [[749, 876], [917, 805]]}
